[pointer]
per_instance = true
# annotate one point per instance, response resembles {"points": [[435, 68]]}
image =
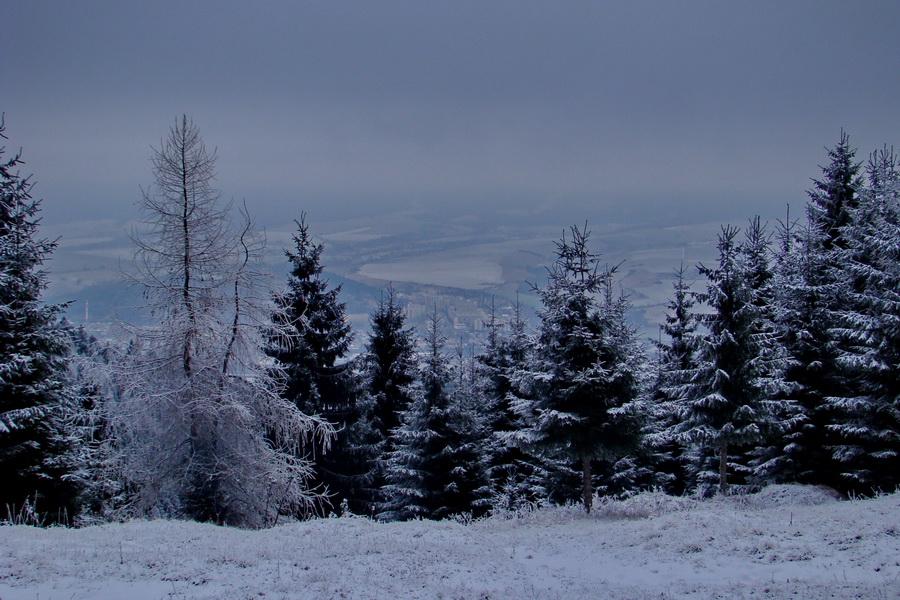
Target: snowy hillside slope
{"points": [[785, 542]]}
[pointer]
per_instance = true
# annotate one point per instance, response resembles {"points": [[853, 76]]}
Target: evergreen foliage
{"points": [[85, 415], [389, 372], [868, 419], [314, 373], [783, 369], [729, 408], [517, 477], [33, 471], [803, 294], [676, 360], [316, 376], [836, 195], [471, 415], [437, 469], [774, 360], [580, 390], [390, 365]]}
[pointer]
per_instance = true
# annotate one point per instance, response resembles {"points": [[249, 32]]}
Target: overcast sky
{"points": [[630, 109]]}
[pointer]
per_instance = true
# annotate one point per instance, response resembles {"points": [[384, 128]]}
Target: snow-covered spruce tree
{"points": [[868, 329], [755, 253], [680, 329], [200, 427], [389, 368], [516, 477], [813, 338], [580, 391], [676, 359], [802, 295], [35, 486], [434, 471], [91, 395], [316, 375], [390, 365], [729, 409], [812, 285], [834, 196], [632, 472], [472, 440]]}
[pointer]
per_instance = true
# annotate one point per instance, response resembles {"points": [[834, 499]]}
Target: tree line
{"points": [[239, 402]]}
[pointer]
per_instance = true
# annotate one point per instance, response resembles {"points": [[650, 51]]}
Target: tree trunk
{"points": [[587, 490], [723, 469], [186, 231]]}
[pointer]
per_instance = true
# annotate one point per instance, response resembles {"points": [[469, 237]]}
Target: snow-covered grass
{"points": [[785, 542]]}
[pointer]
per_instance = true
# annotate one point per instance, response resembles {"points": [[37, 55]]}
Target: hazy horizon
{"points": [[504, 119]]}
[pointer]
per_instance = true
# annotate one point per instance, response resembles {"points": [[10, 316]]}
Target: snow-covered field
{"points": [[786, 542]]}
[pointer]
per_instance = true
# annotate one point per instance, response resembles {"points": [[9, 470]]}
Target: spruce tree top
{"points": [[834, 197], [586, 376], [680, 326], [390, 361], [309, 299], [320, 334]]}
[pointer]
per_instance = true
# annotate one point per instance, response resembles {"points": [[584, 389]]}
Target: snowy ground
{"points": [[786, 542]]}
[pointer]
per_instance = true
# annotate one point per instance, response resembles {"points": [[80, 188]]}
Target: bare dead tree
{"points": [[202, 428]]}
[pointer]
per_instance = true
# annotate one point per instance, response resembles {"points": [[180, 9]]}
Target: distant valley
{"points": [[458, 265]]}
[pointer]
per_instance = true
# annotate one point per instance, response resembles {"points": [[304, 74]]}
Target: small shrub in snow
{"points": [[793, 495], [26, 515], [658, 503]]}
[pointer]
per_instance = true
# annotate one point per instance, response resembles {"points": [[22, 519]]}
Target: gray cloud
{"points": [[349, 104]]}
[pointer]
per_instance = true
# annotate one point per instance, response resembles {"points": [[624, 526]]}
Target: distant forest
{"points": [[236, 400]]}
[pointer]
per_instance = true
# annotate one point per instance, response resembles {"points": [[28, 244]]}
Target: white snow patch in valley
{"points": [[360, 234], [467, 273], [786, 542]]}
